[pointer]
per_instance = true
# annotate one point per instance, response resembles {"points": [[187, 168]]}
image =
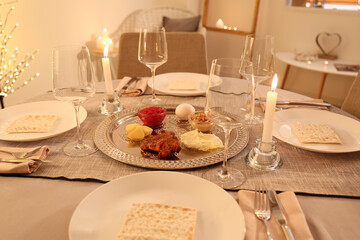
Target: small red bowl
{"points": [[152, 116]]}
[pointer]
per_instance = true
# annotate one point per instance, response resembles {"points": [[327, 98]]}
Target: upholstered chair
{"points": [[186, 53]]}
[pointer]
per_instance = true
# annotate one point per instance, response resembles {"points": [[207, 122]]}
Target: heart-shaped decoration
{"points": [[328, 42]]}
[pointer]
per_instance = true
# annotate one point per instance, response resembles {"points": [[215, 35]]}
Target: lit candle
{"points": [[105, 34], [103, 40], [107, 72], [326, 64], [269, 112], [99, 43], [220, 23], [111, 44]]}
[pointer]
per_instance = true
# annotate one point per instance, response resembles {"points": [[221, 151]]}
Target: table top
{"points": [[44, 204], [318, 65]]}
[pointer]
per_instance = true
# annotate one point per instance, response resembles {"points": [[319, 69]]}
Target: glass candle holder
{"points": [[110, 104], [264, 156]]}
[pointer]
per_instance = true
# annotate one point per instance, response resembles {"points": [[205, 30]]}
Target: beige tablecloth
{"points": [[36, 207], [41, 209]]}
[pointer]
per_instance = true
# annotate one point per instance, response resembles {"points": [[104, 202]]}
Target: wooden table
{"points": [[320, 65]]}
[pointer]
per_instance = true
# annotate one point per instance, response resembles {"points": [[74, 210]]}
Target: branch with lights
{"points": [[10, 67]]}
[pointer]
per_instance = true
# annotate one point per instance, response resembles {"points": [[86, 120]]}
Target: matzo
{"points": [[314, 133], [32, 123], [153, 221]]}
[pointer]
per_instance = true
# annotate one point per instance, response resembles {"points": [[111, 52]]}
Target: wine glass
{"points": [[73, 82], [153, 53], [225, 101], [257, 65]]}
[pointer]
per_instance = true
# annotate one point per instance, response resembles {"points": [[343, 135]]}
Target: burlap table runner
{"points": [[302, 171]]}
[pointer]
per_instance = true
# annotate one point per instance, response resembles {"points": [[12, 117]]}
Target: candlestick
{"points": [[264, 155], [107, 72], [111, 102], [269, 112]]}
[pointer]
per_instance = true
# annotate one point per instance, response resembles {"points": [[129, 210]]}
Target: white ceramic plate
{"points": [[162, 83], [346, 128], [101, 214], [65, 112]]}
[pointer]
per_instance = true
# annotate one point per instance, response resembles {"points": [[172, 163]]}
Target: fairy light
{"points": [[10, 66]]}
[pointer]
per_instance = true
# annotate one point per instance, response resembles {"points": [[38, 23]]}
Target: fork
{"points": [[22, 155], [262, 209]]}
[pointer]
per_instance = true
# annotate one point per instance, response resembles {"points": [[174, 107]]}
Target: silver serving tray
{"points": [[110, 138]]}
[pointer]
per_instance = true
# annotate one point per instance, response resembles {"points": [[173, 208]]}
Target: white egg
{"points": [[183, 110]]}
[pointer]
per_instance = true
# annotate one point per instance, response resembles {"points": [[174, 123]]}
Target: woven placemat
{"points": [[302, 171]]}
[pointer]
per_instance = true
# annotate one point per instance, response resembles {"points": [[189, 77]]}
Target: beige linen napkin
{"points": [[255, 228], [25, 167], [135, 86], [288, 106]]}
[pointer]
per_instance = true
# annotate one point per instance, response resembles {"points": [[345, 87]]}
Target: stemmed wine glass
{"points": [[153, 53], [73, 82], [257, 65], [225, 107]]}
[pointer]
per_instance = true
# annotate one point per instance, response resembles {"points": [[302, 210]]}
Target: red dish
{"points": [[152, 116]]}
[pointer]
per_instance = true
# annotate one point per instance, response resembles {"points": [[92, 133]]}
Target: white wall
{"points": [[297, 28], [47, 23]]}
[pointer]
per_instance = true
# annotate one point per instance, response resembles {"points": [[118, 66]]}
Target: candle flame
{"points": [[106, 49], [274, 83], [220, 21]]}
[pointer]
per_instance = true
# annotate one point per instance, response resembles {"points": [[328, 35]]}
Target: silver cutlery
{"points": [[22, 155], [21, 160], [278, 211], [322, 104], [262, 209], [284, 107]]}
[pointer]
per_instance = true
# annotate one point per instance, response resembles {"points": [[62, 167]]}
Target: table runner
{"points": [[302, 171]]}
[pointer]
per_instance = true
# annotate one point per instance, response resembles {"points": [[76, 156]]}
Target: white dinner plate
{"points": [[65, 112], [346, 128], [162, 83], [101, 214]]}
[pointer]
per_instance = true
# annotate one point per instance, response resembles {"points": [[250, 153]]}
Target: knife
{"points": [[278, 211], [322, 104]]}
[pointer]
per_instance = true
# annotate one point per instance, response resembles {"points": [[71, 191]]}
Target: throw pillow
{"points": [[181, 24]]}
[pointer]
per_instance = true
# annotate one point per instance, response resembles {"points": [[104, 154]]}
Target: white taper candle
{"points": [[107, 72], [269, 112]]}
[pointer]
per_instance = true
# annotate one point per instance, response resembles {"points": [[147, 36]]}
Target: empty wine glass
{"points": [[257, 65], [224, 107], [153, 53], [73, 82]]}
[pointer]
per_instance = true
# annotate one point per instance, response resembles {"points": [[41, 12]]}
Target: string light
{"points": [[10, 67]]}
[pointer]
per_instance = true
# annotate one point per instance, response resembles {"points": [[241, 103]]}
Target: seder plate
{"points": [[110, 138]]}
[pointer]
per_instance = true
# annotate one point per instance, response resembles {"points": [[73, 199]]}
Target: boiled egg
{"points": [[183, 110]]}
